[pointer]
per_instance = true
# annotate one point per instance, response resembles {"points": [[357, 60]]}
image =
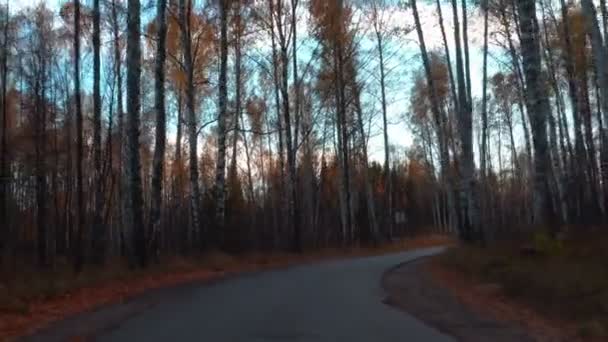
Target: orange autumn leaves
{"points": [[203, 41]]}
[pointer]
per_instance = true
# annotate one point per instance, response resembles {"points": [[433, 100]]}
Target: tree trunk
{"points": [[557, 165], [342, 128], [289, 141], [40, 156], [220, 173], [98, 234], [538, 106], [135, 214], [484, 96], [468, 213], [80, 220], [369, 193], [195, 228], [438, 113], [159, 148], [4, 163], [601, 64], [388, 196], [122, 186]]}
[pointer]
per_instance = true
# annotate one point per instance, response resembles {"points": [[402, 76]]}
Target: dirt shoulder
{"points": [[457, 307]]}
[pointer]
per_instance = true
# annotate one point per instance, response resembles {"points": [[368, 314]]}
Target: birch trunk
{"points": [[195, 229], [122, 183], [538, 106], [133, 127], [601, 64], [220, 172], [159, 148], [369, 193], [80, 223], [98, 231], [5, 233]]}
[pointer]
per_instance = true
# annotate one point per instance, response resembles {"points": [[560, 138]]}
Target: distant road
{"points": [[327, 302]]}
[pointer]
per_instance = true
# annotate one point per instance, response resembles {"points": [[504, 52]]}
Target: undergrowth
{"points": [[561, 278]]}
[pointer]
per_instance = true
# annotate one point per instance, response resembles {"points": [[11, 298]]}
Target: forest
{"points": [[147, 129]]}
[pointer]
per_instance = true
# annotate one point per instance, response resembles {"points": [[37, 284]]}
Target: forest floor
{"points": [[31, 300], [553, 290]]}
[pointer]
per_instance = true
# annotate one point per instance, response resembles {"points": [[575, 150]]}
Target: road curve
{"points": [[331, 301]]}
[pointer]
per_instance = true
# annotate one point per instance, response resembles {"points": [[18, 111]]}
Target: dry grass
{"points": [[566, 282], [31, 299]]}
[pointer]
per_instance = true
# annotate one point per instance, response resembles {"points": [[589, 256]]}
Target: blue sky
{"points": [[405, 62]]}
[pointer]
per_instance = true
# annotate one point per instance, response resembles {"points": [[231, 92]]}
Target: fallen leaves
{"points": [[489, 299]]}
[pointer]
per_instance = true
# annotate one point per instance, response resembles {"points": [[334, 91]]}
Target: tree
{"points": [[599, 56], [185, 8], [80, 219], [121, 141], [220, 178], [160, 136], [135, 204], [484, 95], [98, 236], [4, 167], [467, 213], [537, 105], [378, 22]]}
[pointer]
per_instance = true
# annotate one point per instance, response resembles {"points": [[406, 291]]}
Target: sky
{"points": [[406, 62]]}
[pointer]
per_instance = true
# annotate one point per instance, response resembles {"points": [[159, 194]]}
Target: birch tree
{"points": [[160, 136], [134, 208]]}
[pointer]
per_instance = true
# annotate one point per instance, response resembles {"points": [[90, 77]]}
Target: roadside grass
{"points": [[565, 280], [31, 298]]}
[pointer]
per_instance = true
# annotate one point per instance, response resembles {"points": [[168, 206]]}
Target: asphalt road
{"points": [[332, 301]]}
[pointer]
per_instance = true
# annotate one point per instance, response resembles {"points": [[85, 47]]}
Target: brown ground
{"points": [[24, 310], [466, 309]]}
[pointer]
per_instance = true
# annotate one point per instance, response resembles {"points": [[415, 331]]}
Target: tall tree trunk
{"points": [[296, 80], [388, 196], [369, 193], [177, 184], [468, 217], [579, 152], [5, 233], [520, 78], [220, 172], [80, 220], [195, 229], [538, 106], [558, 178], [98, 231], [438, 112], [275, 74], [590, 166], [289, 141], [135, 214], [601, 64], [40, 157], [122, 186], [159, 148], [342, 128], [484, 95]]}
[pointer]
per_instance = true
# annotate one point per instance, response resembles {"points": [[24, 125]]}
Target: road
{"points": [[331, 301]]}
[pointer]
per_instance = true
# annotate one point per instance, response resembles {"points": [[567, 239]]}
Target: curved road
{"points": [[332, 301]]}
